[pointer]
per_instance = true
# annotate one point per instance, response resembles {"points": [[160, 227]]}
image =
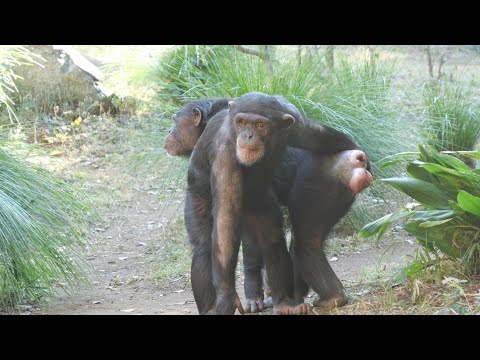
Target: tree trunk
{"points": [[371, 51], [429, 60], [268, 60], [299, 55], [441, 61], [329, 57]]}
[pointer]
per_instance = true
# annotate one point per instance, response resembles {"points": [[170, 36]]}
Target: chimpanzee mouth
{"points": [[249, 147]]}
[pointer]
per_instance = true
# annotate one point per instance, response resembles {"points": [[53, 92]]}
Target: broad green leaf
{"points": [[396, 158], [428, 224], [425, 154], [380, 225], [422, 191], [450, 186], [415, 171], [469, 202], [451, 180], [390, 163], [451, 161], [471, 154], [447, 172], [433, 215], [442, 236]]}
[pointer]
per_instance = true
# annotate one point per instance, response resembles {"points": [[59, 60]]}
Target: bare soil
{"points": [[121, 261]]}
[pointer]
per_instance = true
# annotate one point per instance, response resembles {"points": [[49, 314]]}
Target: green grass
{"points": [[452, 113], [10, 57], [356, 98], [43, 225], [173, 253]]}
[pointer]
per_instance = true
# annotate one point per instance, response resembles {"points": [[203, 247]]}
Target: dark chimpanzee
{"points": [[216, 182], [318, 189]]}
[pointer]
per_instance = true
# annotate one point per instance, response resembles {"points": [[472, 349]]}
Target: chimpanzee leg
{"points": [[265, 224], [199, 227], [301, 287], [314, 269], [268, 303], [252, 267]]}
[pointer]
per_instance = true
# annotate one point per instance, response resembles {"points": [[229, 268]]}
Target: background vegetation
{"points": [[389, 99]]}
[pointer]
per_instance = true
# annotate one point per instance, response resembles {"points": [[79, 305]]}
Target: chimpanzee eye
{"points": [[243, 122], [259, 125]]}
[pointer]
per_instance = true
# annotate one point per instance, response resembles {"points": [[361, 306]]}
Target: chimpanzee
{"points": [[216, 180], [318, 190], [321, 186]]}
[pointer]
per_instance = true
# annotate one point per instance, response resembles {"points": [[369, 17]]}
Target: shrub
{"points": [[447, 215]]}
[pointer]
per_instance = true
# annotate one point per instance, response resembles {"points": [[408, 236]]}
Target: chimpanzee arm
{"points": [[227, 200], [308, 135]]}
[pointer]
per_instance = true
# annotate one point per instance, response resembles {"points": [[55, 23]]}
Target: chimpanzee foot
{"points": [[227, 304], [212, 311], [331, 303], [287, 308], [268, 302], [254, 305]]}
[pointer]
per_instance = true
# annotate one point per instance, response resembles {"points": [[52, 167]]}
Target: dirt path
{"points": [[120, 265]]}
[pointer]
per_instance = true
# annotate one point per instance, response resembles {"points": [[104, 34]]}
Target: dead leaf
{"points": [[56, 153], [333, 258], [453, 280], [179, 291], [128, 310], [123, 258], [141, 244], [96, 302]]}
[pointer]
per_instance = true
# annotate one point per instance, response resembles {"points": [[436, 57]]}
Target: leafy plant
{"points": [[447, 215]]}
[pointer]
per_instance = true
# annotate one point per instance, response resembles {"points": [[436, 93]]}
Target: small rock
{"points": [[96, 302]]}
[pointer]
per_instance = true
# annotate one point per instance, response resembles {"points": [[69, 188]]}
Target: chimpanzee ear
{"points": [[197, 116], [231, 105], [287, 121]]}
